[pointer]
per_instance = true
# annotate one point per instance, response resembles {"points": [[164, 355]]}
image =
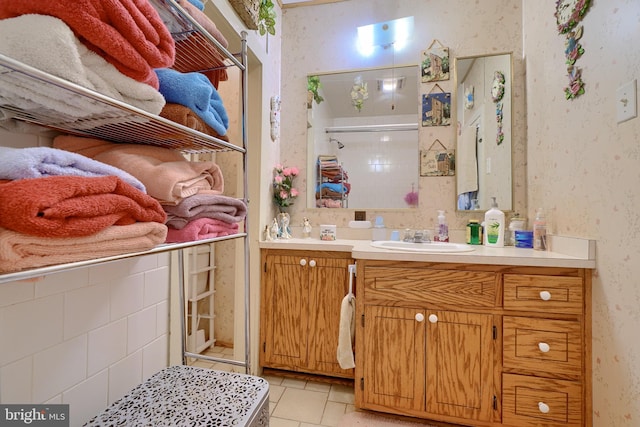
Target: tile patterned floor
{"points": [[299, 403], [294, 402]]}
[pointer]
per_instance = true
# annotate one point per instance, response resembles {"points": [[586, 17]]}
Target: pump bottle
{"points": [[442, 229], [540, 231], [494, 226]]}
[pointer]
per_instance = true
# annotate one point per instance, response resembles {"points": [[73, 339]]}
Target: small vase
{"points": [[284, 219]]}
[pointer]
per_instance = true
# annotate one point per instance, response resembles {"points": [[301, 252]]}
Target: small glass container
{"points": [[474, 232], [516, 224]]}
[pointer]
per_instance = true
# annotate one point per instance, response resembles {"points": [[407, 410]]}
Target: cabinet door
{"points": [[460, 349], [393, 361], [285, 312], [328, 285]]}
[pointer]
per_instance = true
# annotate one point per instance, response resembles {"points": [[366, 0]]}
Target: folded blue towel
{"points": [[335, 187], [197, 3], [195, 91], [39, 162]]}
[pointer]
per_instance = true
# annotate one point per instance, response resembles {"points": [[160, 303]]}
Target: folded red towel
{"points": [[66, 206], [127, 33]]}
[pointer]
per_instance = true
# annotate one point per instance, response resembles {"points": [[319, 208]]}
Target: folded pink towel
{"points": [[20, 251], [127, 33], [66, 206], [166, 174], [214, 206], [200, 229]]}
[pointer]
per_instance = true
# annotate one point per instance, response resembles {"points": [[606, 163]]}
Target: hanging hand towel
{"points": [[346, 332]]}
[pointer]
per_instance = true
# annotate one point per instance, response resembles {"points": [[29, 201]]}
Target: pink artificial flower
{"points": [[294, 192], [278, 167], [575, 87], [283, 194], [286, 171], [294, 171], [278, 179]]}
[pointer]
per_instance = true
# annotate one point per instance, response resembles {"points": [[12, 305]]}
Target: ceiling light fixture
{"points": [[395, 33]]}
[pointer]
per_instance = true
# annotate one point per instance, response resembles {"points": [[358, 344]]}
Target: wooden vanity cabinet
{"points": [[478, 345], [302, 293], [426, 342], [547, 349]]}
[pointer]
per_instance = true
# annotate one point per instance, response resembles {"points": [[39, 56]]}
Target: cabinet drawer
{"points": [[558, 294], [540, 402], [420, 285], [543, 345]]}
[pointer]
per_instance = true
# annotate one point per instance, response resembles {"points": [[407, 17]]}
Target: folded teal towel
{"points": [[335, 187], [195, 91]]}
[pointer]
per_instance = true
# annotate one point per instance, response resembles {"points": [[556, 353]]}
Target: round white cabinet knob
{"points": [[543, 407], [419, 317], [303, 262], [312, 263], [545, 295], [433, 318], [544, 347]]}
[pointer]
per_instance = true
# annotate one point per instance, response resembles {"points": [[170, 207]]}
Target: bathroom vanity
{"points": [[492, 337], [302, 292]]}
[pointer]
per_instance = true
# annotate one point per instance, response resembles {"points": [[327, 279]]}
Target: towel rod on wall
{"points": [[372, 128]]}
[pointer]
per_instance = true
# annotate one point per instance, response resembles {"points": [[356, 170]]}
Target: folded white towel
{"points": [[48, 44], [346, 333]]}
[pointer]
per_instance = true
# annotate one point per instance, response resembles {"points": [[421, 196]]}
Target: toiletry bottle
{"points": [[379, 231], [540, 231], [474, 232], [442, 229], [494, 226]]}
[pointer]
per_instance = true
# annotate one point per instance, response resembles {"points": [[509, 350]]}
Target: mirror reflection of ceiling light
{"points": [[390, 84], [395, 33]]}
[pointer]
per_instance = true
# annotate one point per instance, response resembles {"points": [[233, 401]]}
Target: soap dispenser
{"points": [[442, 229], [494, 226]]}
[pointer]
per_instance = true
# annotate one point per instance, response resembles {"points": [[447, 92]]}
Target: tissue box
{"points": [[327, 232]]}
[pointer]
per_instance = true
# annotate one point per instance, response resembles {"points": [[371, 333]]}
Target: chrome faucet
{"points": [[417, 236]]}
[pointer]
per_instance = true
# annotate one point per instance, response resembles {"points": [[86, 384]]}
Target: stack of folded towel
{"points": [[58, 207], [127, 33], [195, 93], [204, 216], [190, 192], [213, 61], [114, 48], [166, 174]]}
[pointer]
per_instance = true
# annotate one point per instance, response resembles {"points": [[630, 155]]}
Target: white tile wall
{"points": [[84, 337]]}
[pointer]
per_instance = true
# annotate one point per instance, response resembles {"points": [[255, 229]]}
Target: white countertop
{"points": [[569, 252]]}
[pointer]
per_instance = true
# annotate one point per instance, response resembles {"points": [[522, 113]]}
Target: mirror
{"points": [[362, 140], [484, 145]]}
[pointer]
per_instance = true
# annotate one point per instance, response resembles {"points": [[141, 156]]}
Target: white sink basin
{"points": [[431, 247]]}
